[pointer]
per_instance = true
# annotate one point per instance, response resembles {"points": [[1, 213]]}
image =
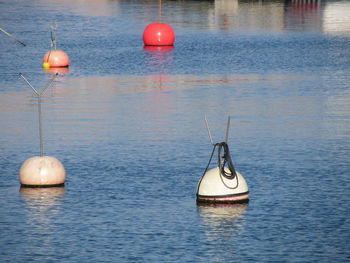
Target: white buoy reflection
{"points": [[43, 211], [221, 226], [40, 200], [221, 215]]}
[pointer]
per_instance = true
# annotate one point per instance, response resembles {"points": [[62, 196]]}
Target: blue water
{"points": [[128, 125]]}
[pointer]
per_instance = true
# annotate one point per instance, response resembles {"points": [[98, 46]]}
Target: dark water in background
{"points": [[128, 125]]}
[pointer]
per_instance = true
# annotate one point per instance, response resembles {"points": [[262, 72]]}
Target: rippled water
{"points": [[128, 124]]}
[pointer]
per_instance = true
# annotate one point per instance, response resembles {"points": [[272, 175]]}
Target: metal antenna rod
{"points": [[160, 11], [30, 85], [11, 36], [227, 128], [48, 84], [39, 106], [53, 35], [40, 127], [208, 129]]}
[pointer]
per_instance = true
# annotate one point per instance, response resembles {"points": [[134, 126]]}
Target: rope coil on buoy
{"points": [[222, 161], [222, 184]]}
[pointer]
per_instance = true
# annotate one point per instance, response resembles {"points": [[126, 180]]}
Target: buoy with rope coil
{"points": [[55, 58], [222, 184]]}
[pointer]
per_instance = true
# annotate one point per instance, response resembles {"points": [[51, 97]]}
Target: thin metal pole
{"points": [[208, 129], [12, 36], [30, 85], [227, 128], [160, 11], [39, 106], [53, 36], [48, 84], [40, 127]]}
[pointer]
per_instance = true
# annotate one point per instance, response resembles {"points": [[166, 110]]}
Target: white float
{"points": [[41, 171], [222, 184]]}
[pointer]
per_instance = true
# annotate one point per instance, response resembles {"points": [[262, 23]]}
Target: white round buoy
{"points": [[216, 188], [42, 171]]}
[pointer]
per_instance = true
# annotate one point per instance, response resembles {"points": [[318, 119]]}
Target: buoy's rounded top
{"points": [[214, 184], [42, 171], [158, 34], [56, 58]]}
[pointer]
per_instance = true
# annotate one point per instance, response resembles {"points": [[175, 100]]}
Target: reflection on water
{"points": [[158, 59], [299, 15], [42, 204], [336, 18], [132, 84], [295, 15], [40, 199], [222, 225], [219, 216], [42, 212], [60, 71], [86, 7], [253, 14], [280, 15]]}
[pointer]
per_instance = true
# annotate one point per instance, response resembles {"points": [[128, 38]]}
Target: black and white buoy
{"points": [[222, 184], [41, 171]]}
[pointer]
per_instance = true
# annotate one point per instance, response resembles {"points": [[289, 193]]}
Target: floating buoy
{"points": [[41, 171], [222, 184], [215, 188], [159, 34], [55, 58]]}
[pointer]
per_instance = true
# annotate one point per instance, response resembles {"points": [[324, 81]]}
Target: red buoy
{"points": [[157, 34], [56, 58]]}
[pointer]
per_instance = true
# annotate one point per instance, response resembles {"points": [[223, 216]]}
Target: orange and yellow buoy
{"points": [[55, 58]]}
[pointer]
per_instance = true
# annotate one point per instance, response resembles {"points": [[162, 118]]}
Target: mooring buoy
{"points": [[41, 171], [159, 34], [222, 184], [55, 58]]}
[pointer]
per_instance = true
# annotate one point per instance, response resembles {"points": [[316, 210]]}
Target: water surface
{"points": [[127, 122]]}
